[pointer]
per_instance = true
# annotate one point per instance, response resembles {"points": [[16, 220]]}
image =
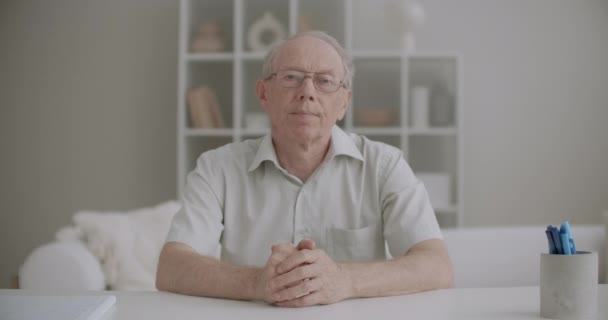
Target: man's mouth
{"points": [[304, 113]]}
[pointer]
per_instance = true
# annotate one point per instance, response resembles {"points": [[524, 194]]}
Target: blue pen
{"points": [[565, 242], [552, 249], [556, 240], [566, 226]]}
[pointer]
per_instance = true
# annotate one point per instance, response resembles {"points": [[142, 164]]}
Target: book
{"points": [[204, 108], [22, 307]]}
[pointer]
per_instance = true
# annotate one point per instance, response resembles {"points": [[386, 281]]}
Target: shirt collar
{"points": [[341, 144], [265, 152]]}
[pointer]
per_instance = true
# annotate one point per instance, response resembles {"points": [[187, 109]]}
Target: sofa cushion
{"points": [[127, 244], [61, 265]]}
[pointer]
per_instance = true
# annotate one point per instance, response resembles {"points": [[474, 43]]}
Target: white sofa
{"points": [[510, 256], [102, 249], [482, 257]]}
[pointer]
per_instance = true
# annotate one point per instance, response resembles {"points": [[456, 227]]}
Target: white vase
{"points": [[420, 107]]}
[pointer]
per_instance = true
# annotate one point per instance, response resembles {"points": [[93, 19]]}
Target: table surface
{"points": [[480, 303]]}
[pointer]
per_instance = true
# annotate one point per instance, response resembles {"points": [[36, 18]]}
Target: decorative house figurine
{"points": [[265, 32], [208, 38]]}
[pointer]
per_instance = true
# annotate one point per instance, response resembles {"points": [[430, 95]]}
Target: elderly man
{"points": [[302, 215]]}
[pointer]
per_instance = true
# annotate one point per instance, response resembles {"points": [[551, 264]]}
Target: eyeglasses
{"points": [[293, 79]]}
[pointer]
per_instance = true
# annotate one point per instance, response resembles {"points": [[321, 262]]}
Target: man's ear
{"points": [[260, 91]]}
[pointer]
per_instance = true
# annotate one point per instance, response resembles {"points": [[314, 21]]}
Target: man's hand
{"points": [[280, 252], [309, 277]]}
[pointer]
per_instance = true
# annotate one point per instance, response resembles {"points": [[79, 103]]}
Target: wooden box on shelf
{"points": [[204, 108]]}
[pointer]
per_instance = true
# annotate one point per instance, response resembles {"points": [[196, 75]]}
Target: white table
{"points": [[483, 303]]}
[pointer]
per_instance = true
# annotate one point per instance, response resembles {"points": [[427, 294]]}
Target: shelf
{"points": [[218, 78], [382, 105], [209, 132], [391, 139], [433, 153], [253, 55], [255, 132], [195, 14], [433, 55], [452, 209], [377, 93], [377, 54], [220, 56], [251, 72], [194, 146], [447, 131]]}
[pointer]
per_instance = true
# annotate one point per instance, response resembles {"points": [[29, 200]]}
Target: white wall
{"points": [[87, 113], [535, 106], [87, 110]]}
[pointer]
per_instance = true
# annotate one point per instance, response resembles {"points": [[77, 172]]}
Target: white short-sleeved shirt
{"points": [[362, 194]]}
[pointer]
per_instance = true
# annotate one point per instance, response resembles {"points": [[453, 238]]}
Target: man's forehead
{"points": [[308, 54]]}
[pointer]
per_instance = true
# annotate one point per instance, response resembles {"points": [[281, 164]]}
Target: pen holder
{"points": [[568, 286]]}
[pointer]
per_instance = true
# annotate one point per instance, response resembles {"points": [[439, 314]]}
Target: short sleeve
{"points": [[199, 223], [406, 209]]}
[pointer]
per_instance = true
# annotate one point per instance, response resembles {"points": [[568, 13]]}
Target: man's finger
{"points": [[280, 252], [276, 258], [303, 288], [301, 257], [285, 248], [294, 277], [307, 244], [304, 301]]}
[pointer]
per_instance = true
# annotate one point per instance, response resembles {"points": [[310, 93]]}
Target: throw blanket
{"points": [[127, 244]]}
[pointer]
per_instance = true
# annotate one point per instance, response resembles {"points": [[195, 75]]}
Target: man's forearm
{"points": [[422, 269], [181, 270]]}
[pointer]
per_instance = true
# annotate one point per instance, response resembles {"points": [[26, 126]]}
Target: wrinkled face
{"points": [[304, 113]]}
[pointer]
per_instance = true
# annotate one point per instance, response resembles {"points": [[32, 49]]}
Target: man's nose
{"points": [[307, 90]]}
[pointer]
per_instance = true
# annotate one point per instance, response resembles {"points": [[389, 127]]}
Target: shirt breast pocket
{"points": [[363, 244]]}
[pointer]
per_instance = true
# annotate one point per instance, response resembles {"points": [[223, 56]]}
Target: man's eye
{"points": [[324, 81], [291, 77]]}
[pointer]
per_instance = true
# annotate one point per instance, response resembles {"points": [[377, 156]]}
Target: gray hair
{"points": [[347, 63]]}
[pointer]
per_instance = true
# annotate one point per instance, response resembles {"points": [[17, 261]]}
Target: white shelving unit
{"points": [[384, 76]]}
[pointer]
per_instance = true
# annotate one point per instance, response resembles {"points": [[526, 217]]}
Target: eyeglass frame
{"points": [[341, 84]]}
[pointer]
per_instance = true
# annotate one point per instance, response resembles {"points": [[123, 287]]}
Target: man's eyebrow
{"points": [[325, 71]]}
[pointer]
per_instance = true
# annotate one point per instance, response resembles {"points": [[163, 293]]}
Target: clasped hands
{"points": [[302, 275]]}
